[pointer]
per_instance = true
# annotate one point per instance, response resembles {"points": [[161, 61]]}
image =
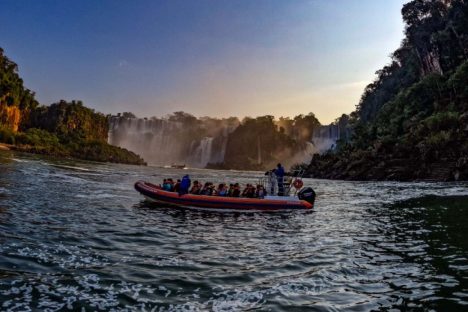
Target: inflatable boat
{"points": [[154, 193]]}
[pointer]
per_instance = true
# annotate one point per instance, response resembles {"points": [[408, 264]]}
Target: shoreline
{"points": [[43, 151], [5, 147]]}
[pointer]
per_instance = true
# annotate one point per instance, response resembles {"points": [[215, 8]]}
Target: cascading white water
{"points": [[202, 154], [150, 138], [166, 142], [325, 137]]}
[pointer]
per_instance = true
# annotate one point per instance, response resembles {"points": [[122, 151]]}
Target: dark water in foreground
{"points": [[75, 235]]}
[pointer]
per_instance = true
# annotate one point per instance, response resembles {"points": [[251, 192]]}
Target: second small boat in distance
{"points": [[304, 200]]}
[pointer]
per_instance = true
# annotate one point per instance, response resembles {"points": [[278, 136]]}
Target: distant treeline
{"points": [[64, 129], [412, 121], [259, 143]]}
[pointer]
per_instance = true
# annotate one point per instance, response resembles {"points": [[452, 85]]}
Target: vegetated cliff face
{"points": [[15, 100], [10, 116], [412, 121], [70, 120], [260, 143], [62, 129]]}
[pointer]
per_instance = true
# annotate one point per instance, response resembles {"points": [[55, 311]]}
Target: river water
{"points": [[75, 235]]}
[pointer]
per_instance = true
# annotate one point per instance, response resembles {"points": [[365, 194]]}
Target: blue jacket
{"points": [[185, 184], [279, 172]]}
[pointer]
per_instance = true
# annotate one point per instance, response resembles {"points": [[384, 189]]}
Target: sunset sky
{"points": [[209, 58]]}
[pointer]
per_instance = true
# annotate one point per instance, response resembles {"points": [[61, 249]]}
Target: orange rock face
{"points": [[10, 116]]}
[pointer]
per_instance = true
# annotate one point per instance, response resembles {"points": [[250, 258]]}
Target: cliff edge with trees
{"points": [[63, 129], [412, 121]]}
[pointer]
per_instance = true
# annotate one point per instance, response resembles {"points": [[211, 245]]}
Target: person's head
{"points": [[231, 185], [195, 182], [178, 180], [165, 181], [278, 165]]}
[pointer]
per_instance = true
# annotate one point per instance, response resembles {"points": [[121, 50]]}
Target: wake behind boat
{"points": [[155, 193]]}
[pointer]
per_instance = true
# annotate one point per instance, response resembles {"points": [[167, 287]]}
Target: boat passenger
{"points": [[222, 190], [206, 189], [196, 188], [279, 172], [184, 185], [271, 180], [212, 190], [244, 192], [177, 186], [170, 183], [249, 191], [236, 191], [260, 193], [167, 185], [230, 190]]}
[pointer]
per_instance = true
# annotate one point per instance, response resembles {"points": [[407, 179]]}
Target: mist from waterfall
{"points": [[177, 139], [182, 139], [325, 137]]}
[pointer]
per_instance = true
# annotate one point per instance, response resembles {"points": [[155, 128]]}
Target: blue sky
{"points": [[209, 58]]}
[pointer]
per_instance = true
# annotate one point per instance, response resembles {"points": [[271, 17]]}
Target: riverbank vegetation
{"points": [[412, 121], [63, 129]]}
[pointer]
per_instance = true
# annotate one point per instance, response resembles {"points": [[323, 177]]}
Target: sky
{"points": [[213, 58]]}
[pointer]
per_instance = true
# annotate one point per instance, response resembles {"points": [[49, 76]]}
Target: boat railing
{"points": [[270, 183]]}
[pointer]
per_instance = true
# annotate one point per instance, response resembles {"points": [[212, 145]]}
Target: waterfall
{"points": [[325, 137], [165, 141], [202, 154], [153, 139]]}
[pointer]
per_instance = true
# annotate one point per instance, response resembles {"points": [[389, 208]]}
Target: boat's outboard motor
{"points": [[307, 194]]}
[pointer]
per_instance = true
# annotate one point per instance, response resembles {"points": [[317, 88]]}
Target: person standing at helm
{"points": [[279, 172], [184, 185]]}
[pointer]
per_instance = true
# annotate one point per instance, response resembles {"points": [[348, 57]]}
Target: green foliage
{"points": [[415, 113], [63, 129], [12, 91], [37, 137], [6, 135], [101, 151], [300, 128], [70, 121], [258, 143]]}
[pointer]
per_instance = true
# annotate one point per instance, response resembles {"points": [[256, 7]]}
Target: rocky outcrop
{"points": [[10, 116], [370, 167]]}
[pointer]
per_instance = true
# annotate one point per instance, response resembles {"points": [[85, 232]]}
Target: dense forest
{"points": [[412, 121], [260, 143], [64, 129]]}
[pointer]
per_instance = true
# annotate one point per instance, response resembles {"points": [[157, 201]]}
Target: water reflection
{"points": [[75, 234]]}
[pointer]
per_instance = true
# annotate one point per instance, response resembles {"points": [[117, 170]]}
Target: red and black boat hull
{"points": [[155, 193]]}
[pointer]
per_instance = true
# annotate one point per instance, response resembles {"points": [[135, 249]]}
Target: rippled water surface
{"points": [[75, 235]]}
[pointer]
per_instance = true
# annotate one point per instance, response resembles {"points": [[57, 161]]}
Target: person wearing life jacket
{"points": [[271, 181], [260, 192], [184, 185], [236, 191], [231, 190], [177, 186], [279, 172], [222, 190], [196, 188], [167, 185]]}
